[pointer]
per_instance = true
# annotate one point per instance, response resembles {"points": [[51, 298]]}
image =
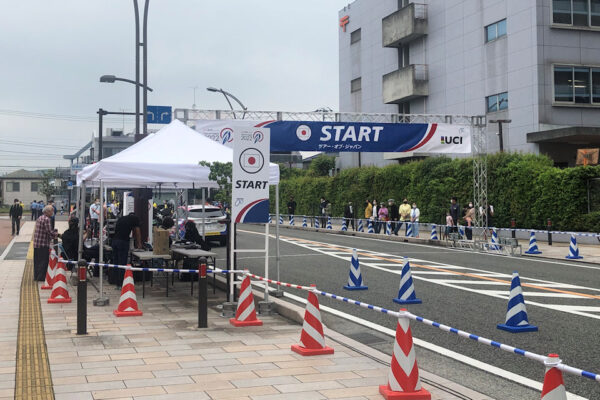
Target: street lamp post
{"points": [[227, 95], [500, 136]]}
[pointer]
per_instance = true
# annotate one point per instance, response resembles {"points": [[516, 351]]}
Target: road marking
{"points": [[5, 252], [511, 376]]}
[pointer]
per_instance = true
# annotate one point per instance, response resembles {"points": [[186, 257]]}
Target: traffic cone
{"points": [[281, 220], [533, 248], [573, 250], [59, 294], [406, 293], [360, 226], [516, 313], [433, 233], [403, 379], [128, 306], [51, 271], [312, 339], [246, 313], [388, 228], [409, 229], [344, 226], [317, 222], [355, 281], [494, 245], [304, 224], [291, 220], [329, 223], [554, 385], [370, 227]]}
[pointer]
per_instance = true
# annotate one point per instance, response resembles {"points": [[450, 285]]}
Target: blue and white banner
{"points": [[336, 137]]}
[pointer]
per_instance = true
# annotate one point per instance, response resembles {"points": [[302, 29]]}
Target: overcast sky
{"points": [[272, 54]]}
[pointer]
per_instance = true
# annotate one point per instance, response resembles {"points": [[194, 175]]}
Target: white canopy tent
{"points": [[169, 159]]}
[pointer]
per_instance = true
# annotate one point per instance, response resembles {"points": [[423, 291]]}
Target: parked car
{"points": [[215, 228]]}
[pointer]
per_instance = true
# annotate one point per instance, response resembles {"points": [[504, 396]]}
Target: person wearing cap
{"points": [[15, 213]]}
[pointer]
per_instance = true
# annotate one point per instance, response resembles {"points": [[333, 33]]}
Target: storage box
{"points": [[160, 241]]}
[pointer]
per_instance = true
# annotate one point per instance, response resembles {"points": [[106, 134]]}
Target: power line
{"points": [[60, 117], [27, 152], [29, 144]]}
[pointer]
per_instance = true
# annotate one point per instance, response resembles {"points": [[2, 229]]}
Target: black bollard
{"points": [[82, 298], [513, 224], [202, 295], [549, 232]]}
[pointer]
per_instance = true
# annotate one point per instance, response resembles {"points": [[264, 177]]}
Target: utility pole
{"points": [[500, 136]]}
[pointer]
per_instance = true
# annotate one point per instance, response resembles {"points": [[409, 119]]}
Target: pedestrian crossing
{"points": [[573, 299]]}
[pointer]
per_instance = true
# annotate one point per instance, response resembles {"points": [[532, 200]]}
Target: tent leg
{"points": [[278, 292], [101, 300]]}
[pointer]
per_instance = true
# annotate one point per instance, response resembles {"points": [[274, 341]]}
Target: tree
{"points": [[321, 165], [48, 185], [221, 173]]}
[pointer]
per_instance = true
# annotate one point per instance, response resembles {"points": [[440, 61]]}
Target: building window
{"points": [[355, 36], [34, 187], [403, 56], [497, 102], [495, 30], [576, 12], [355, 85], [13, 186], [576, 84]]}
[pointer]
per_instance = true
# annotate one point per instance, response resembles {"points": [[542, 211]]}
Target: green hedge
{"points": [[522, 186]]}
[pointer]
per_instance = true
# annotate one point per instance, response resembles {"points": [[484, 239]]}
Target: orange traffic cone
{"points": [[59, 293], [51, 271], [245, 314], [312, 339], [554, 386], [128, 306], [403, 379]]}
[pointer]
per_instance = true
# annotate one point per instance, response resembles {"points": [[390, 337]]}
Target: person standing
{"points": [[349, 214], [53, 219], [368, 209], [384, 216], [328, 212], [95, 210], [32, 208], [291, 207], [404, 211], [15, 213], [322, 209], [375, 217], [454, 213], [415, 213], [469, 217], [42, 239], [394, 213], [124, 227]]}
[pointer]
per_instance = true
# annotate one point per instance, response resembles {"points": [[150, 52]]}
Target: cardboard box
{"points": [[160, 241]]}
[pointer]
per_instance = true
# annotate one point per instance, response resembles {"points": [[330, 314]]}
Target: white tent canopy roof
{"points": [[169, 159]]}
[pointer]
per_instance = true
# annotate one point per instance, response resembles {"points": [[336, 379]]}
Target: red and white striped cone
{"points": [[403, 379], [51, 271], [554, 386], [128, 306], [312, 339], [245, 314], [60, 294]]}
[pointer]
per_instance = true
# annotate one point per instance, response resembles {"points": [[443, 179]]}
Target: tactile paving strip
{"points": [[33, 379]]}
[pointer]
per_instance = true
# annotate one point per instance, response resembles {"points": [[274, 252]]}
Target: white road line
{"points": [[511, 376], [5, 252]]}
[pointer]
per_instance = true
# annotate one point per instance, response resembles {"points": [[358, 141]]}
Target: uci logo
{"points": [[226, 135], [451, 140], [257, 136]]}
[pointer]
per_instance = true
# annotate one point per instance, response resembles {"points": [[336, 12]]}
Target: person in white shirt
{"points": [[415, 213], [95, 210]]}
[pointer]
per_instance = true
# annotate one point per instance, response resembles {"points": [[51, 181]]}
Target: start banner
{"points": [[336, 137]]}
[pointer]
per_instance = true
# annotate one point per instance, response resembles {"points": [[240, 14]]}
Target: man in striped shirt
{"points": [[42, 239]]}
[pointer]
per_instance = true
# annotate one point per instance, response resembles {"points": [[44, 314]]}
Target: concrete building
{"points": [[534, 62], [22, 185]]}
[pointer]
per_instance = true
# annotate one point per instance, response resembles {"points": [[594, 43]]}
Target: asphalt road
{"points": [[465, 290]]}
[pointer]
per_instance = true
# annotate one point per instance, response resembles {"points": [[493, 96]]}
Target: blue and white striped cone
{"points": [[533, 248], [388, 228], [329, 223], [370, 227], [409, 229], [360, 226], [433, 233], [516, 313], [304, 224], [494, 245], [281, 220], [355, 281], [573, 250], [270, 219], [461, 230], [291, 220], [344, 226], [316, 222], [406, 293]]}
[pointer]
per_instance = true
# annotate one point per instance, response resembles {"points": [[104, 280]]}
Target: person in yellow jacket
{"points": [[368, 209], [404, 210]]}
